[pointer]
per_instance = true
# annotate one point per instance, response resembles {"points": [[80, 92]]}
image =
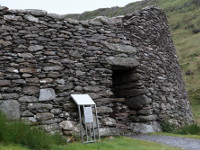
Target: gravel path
{"points": [[185, 143]]}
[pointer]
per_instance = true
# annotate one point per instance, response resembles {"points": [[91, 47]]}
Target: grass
{"points": [[26, 137], [19, 133], [177, 135], [12, 147], [188, 130], [118, 143]]}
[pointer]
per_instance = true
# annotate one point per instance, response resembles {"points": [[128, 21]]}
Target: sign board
{"points": [[82, 99], [88, 114], [88, 131]]}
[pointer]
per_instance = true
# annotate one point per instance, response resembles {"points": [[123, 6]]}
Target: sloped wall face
{"points": [[159, 66], [128, 66]]}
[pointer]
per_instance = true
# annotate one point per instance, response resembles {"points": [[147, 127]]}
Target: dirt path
{"points": [[184, 143]]}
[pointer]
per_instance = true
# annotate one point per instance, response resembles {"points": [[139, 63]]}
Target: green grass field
{"points": [[177, 135], [119, 143], [12, 147]]}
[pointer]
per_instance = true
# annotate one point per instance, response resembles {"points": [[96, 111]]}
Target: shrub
{"points": [[187, 129], [19, 133], [168, 127], [195, 31]]}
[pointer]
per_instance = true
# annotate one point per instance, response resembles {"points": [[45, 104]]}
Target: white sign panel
{"points": [[82, 99], [88, 114]]}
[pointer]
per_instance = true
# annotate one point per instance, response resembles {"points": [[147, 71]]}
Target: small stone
{"points": [[120, 48], [143, 128], [12, 17], [69, 126], [12, 70], [27, 113], [28, 99], [148, 118], [54, 74], [25, 55], [122, 62], [104, 109], [10, 96], [92, 88], [96, 23], [94, 95], [26, 75], [53, 68], [35, 48], [5, 82], [47, 94], [28, 70], [31, 18], [138, 102], [44, 116], [72, 21], [29, 120], [31, 90], [51, 128], [5, 43], [106, 20], [108, 121], [80, 73], [46, 80], [78, 88], [60, 81], [108, 131], [55, 16], [119, 99], [39, 107], [32, 80], [11, 108], [75, 54], [19, 81], [145, 112], [147, 128], [56, 111], [36, 12]]}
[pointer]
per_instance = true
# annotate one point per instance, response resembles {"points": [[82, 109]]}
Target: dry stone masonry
{"points": [[127, 65]]}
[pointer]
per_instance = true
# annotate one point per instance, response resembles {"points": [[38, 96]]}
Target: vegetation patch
{"points": [[19, 133], [192, 129], [12, 147], [118, 143], [177, 135]]}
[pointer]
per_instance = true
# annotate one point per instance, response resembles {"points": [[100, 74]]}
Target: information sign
{"points": [[88, 114]]}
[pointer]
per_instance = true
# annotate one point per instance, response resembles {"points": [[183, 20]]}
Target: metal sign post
{"points": [[89, 126]]}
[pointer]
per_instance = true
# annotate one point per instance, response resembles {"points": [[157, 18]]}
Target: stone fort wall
{"points": [[127, 65]]}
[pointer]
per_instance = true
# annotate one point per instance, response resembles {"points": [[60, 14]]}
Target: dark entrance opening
{"points": [[130, 96]]}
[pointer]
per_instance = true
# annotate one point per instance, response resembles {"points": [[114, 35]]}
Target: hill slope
{"points": [[184, 21]]}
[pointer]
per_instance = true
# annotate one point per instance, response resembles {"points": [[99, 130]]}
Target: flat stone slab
{"points": [[5, 82], [11, 108], [120, 48], [47, 94], [122, 62]]}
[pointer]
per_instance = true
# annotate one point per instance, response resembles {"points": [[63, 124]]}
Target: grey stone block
{"points": [[11, 108], [47, 94]]}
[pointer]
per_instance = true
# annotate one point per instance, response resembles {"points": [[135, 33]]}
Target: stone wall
{"points": [[127, 65]]}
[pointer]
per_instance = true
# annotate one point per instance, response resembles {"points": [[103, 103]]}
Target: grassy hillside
{"points": [[184, 21]]}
